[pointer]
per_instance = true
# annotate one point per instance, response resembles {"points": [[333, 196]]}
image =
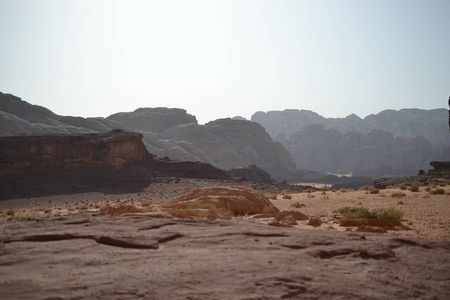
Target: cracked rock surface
{"points": [[107, 257]]}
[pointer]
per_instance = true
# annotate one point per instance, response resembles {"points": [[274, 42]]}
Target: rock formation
{"points": [[166, 132], [104, 257], [439, 174], [238, 200], [252, 173], [58, 164], [102, 152]]}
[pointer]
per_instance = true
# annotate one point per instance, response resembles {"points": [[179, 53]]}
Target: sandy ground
{"points": [[427, 216]]}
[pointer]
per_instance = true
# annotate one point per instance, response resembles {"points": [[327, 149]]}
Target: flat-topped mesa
{"points": [[101, 152], [440, 166]]}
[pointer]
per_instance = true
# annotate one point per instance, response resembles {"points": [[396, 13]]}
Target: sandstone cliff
{"points": [[63, 164], [105, 152]]}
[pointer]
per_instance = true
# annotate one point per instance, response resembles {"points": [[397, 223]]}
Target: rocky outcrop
{"points": [[252, 173], [82, 255], [18, 117], [63, 164], [439, 174], [237, 200], [102, 152], [153, 119]]}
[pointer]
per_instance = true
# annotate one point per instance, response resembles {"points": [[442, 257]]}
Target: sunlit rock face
{"points": [[104, 152], [231, 144]]}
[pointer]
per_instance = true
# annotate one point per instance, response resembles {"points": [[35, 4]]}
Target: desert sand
{"points": [[426, 216]]}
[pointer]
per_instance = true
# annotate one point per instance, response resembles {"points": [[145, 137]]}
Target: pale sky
{"points": [[224, 58]]}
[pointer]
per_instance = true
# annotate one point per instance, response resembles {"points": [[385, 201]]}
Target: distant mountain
{"points": [[168, 132], [432, 124], [395, 143], [389, 143]]}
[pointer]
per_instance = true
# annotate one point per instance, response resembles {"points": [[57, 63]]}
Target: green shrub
{"points": [[390, 214], [355, 213], [296, 205]]}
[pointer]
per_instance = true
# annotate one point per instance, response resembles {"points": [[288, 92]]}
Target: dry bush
{"points": [[364, 188], [287, 196], [310, 196], [398, 194], [428, 188], [414, 187], [145, 203], [309, 190], [438, 191], [324, 188], [374, 190], [403, 187], [10, 212]]}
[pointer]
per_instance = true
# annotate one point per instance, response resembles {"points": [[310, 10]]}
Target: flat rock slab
{"points": [[105, 257]]}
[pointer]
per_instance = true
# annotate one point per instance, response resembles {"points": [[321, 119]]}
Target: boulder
{"points": [[238, 200]]}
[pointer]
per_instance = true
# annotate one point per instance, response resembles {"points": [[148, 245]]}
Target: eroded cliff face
{"points": [[101, 152]]}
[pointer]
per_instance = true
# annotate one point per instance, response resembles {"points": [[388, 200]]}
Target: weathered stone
{"points": [[138, 257], [235, 199]]}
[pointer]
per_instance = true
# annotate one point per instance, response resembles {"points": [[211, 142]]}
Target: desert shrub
{"points": [[310, 196], [438, 191], [398, 194], [403, 187], [296, 205], [309, 190], [324, 188], [287, 196], [355, 213], [374, 190], [428, 188], [10, 212], [364, 188], [414, 187], [391, 214], [342, 190]]}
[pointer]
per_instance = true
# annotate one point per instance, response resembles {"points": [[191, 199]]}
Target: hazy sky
{"points": [[226, 58]]}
